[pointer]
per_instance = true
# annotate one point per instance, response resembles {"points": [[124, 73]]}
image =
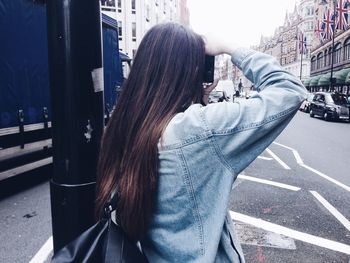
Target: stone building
{"points": [[284, 44], [135, 17], [330, 58]]}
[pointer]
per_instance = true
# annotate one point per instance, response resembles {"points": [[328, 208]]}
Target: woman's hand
{"points": [[215, 46], [207, 91]]}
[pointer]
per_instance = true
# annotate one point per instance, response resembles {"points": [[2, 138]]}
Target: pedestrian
{"points": [[172, 159], [237, 93], [240, 86]]}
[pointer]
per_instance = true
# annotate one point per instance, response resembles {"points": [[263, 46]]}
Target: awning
{"points": [[307, 82], [341, 75], [107, 20], [314, 81], [324, 80], [347, 79], [124, 57]]}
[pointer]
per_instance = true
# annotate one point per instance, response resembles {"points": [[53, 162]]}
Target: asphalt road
{"points": [[312, 152], [25, 216], [276, 223]]}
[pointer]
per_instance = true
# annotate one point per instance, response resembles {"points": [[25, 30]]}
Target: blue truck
{"points": [[25, 110]]}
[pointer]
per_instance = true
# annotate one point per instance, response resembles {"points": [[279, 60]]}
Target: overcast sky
{"points": [[243, 21]]}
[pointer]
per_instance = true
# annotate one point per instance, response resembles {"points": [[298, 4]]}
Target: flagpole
{"points": [[301, 62], [332, 55]]}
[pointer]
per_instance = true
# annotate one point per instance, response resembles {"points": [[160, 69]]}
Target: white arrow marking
{"points": [[301, 163], [274, 156], [311, 239], [295, 153]]}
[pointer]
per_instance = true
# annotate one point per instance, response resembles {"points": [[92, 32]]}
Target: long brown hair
{"points": [[165, 78]]}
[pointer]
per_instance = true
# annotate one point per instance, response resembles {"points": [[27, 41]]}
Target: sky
{"points": [[242, 21]]}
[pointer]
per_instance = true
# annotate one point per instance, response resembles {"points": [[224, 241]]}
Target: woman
{"points": [[174, 160]]}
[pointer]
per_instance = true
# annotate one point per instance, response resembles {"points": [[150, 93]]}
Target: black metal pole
{"points": [[76, 82], [301, 63], [332, 55]]}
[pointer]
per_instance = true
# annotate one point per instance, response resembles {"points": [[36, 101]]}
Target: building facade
{"points": [[285, 43], [330, 57], [296, 58], [135, 17]]}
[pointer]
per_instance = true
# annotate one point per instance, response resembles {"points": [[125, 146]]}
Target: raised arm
{"points": [[242, 130]]}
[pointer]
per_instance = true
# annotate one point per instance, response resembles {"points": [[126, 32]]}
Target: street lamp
{"points": [[324, 2]]}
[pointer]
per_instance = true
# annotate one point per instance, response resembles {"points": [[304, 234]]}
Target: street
{"points": [[312, 207], [290, 205]]}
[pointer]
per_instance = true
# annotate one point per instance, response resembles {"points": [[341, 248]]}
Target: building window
{"points": [[133, 53], [119, 6], [133, 32], [313, 63], [337, 53], [310, 11], [133, 6], [347, 49], [325, 58], [120, 30], [283, 61], [319, 61], [108, 5]]}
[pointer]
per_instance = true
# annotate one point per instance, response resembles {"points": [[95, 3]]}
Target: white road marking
{"points": [[311, 239], [265, 158], [44, 252], [347, 188], [274, 156], [332, 210], [301, 163], [263, 181], [295, 152]]}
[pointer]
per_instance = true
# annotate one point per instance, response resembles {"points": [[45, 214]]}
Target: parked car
{"points": [[217, 96], [305, 106], [330, 106]]}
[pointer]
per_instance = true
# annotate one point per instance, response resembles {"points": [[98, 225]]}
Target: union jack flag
{"points": [[319, 31], [328, 24], [302, 44], [342, 14]]}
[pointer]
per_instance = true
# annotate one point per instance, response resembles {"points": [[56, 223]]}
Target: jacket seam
{"points": [[197, 216], [247, 127], [232, 240], [256, 124], [209, 133]]}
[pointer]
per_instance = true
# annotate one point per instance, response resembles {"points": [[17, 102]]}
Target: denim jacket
{"points": [[201, 153]]}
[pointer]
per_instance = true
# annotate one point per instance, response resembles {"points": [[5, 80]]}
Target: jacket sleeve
{"points": [[242, 130]]}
